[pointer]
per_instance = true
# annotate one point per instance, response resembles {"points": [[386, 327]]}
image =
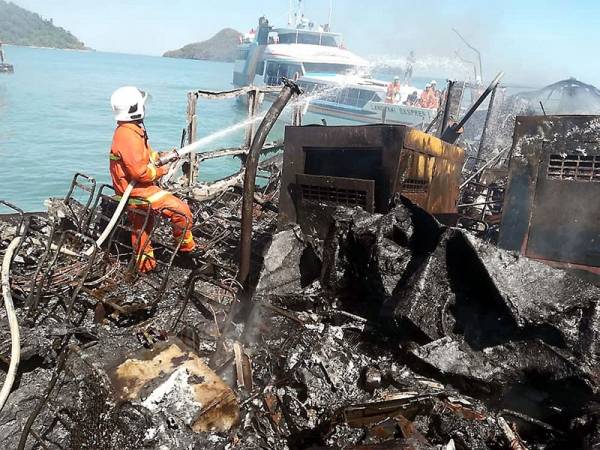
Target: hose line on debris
{"points": [[172, 156], [15, 352], [165, 159], [114, 219]]}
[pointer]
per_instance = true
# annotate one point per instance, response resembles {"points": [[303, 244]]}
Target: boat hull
{"points": [[333, 114], [415, 117]]}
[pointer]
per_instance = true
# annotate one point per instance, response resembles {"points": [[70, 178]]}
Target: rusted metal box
{"points": [[551, 209], [365, 166]]}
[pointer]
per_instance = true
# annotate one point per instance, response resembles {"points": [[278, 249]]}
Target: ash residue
{"points": [[394, 331]]}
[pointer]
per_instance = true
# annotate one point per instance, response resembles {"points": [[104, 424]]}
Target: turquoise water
{"points": [[55, 116]]}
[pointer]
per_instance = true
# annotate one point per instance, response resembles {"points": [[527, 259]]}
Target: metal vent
{"points": [[337, 190], [334, 195], [574, 168], [412, 185]]}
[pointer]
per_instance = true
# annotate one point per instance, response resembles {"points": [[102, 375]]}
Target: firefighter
{"points": [[393, 91], [132, 159]]}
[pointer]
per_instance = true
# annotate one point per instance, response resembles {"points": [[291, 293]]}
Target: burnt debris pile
{"points": [[388, 299], [384, 331], [306, 324], [84, 316]]}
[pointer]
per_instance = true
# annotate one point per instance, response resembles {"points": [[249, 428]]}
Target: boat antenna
{"points": [[474, 49], [294, 13], [330, 13]]}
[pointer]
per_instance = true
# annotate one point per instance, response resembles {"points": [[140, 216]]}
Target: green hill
{"points": [[221, 47], [21, 27]]}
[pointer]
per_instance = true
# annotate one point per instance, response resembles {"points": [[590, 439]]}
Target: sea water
{"points": [[55, 116], [56, 120]]}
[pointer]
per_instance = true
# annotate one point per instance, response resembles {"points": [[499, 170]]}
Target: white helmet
{"points": [[128, 104]]}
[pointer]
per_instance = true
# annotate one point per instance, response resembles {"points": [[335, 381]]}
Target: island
{"points": [[19, 26], [221, 47]]}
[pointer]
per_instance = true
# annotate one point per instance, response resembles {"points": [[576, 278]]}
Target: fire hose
{"points": [[15, 351], [171, 156], [166, 159], [288, 90]]}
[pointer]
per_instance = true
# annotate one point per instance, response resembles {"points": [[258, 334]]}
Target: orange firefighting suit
{"points": [[132, 159]]}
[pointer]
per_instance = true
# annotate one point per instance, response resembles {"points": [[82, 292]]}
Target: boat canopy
{"points": [[306, 53]]}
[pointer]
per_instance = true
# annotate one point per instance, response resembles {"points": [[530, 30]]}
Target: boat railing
{"points": [[254, 95]]}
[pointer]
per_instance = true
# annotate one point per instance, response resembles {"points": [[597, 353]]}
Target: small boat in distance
{"points": [[337, 82], [4, 66]]}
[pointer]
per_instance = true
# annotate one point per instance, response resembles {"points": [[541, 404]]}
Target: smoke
{"points": [[531, 47], [564, 97], [448, 67]]}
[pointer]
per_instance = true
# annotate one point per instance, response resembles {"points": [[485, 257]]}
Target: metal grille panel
{"points": [[412, 185], [337, 190], [347, 197], [574, 167]]}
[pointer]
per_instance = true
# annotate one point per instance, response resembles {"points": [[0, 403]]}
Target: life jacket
{"points": [[393, 91]]}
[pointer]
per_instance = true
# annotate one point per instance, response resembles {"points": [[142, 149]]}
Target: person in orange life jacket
{"points": [[428, 98], [133, 159], [393, 91], [437, 95]]}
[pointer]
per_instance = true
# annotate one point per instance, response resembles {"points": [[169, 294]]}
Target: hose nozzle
{"points": [[169, 157]]}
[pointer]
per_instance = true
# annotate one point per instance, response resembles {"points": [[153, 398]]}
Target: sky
{"points": [[534, 42]]}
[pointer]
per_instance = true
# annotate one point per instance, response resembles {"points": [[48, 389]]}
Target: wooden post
{"points": [[253, 98], [486, 124], [192, 130], [297, 115]]}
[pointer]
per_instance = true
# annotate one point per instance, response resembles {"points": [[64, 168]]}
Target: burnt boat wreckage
{"points": [[369, 295]]}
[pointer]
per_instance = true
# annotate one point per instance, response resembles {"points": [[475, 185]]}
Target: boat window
{"points": [[273, 38], [376, 97], [260, 68], [330, 95], [367, 96], [356, 97], [329, 41], [243, 53], [276, 71], [328, 68], [307, 87], [287, 38], [308, 38]]}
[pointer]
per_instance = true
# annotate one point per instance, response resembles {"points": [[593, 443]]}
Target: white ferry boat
{"points": [[335, 80]]}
